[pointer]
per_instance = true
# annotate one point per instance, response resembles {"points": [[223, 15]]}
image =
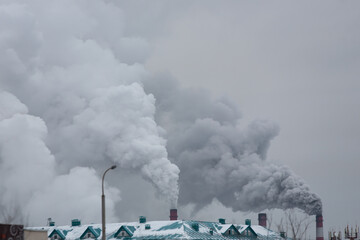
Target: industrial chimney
{"points": [[319, 227], [262, 219], [173, 214]]}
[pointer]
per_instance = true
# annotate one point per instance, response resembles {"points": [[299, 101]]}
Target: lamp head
{"points": [[113, 167]]}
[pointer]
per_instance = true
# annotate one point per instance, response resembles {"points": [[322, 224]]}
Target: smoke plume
{"points": [[86, 107], [221, 158], [76, 98], [29, 181]]}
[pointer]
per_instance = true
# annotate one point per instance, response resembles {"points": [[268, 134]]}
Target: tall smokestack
{"points": [[262, 219], [319, 227], [173, 214]]}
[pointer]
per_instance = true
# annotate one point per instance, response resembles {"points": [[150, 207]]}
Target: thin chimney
{"points": [[319, 227], [262, 219], [173, 214]]}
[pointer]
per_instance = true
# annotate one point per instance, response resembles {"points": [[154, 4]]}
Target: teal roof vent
{"points": [[195, 226], [75, 222], [222, 220], [147, 226], [51, 223], [142, 219], [248, 222]]}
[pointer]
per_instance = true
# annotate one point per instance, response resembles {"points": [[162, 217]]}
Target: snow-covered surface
{"points": [[181, 229], [266, 233], [224, 228]]}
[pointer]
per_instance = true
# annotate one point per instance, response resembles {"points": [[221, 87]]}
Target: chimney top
{"points": [[173, 214], [262, 219], [319, 227]]}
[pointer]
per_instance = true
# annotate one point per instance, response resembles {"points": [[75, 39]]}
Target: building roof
{"points": [[96, 232], [129, 229], [180, 229], [58, 232], [242, 228], [226, 227]]}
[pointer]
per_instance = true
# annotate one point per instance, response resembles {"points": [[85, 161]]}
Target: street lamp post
{"points": [[103, 203]]}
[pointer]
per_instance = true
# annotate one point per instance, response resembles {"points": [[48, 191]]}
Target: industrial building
{"points": [[170, 229]]}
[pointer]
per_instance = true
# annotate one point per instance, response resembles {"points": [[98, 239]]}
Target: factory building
{"points": [[162, 230]]}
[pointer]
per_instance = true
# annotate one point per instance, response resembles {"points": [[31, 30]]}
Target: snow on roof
{"points": [[180, 229], [224, 227], [96, 232], [242, 228], [265, 233], [58, 232]]}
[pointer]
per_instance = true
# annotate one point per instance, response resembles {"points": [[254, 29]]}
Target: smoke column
{"points": [[220, 158], [83, 108]]}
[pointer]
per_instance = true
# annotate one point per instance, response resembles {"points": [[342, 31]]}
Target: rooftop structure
{"points": [[178, 229]]}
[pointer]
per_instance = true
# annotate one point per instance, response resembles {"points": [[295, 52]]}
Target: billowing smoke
{"points": [[75, 99], [82, 106], [30, 185], [220, 158]]}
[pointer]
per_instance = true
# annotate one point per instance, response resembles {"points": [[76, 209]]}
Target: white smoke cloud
{"points": [[76, 195], [10, 105], [74, 75], [119, 122], [28, 172], [22, 147], [28, 177]]}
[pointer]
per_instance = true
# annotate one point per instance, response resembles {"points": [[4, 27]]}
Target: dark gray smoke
{"points": [[220, 158]]}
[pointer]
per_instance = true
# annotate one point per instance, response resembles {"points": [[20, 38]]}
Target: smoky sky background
{"points": [[293, 65], [296, 63]]}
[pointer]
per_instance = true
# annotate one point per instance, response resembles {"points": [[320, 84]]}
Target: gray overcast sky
{"points": [[67, 67], [295, 63]]}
